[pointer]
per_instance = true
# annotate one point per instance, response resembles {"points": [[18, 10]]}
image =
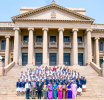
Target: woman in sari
{"points": [[55, 91], [64, 91], [44, 91], [74, 90], [69, 92], [59, 91], [49, 90]]}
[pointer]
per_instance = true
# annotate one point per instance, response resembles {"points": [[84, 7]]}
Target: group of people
{"points": [[51, 83]]}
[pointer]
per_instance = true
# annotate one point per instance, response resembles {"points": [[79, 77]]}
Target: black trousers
{"points": [[39, 94]]}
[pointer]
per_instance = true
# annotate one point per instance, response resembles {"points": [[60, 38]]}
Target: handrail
{"points": [[8, 67], [96, 67]]}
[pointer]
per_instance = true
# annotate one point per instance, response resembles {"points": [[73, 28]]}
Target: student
{"points": [[22, 87], [54, 69], [84, 84], [27, 88], [18, 86], [39, 89], [79, 88]]}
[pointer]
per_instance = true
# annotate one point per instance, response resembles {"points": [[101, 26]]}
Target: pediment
{"points": [[51, 12]]}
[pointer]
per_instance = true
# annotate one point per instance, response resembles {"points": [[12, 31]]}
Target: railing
{"points": [[80, 45], [38, 44], [95, 67], [6, 23], [97, 26], [8, 67], [52, 44], [24, 44], [67, 44]]}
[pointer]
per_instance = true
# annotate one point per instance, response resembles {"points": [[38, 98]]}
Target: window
{"points": [[79, 39], [25, 38], [3, 44], [66, 38], [39, 39], [52, 38], [100, 46]]}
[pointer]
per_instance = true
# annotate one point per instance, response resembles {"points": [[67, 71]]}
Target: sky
{"points": [[94, 8]]}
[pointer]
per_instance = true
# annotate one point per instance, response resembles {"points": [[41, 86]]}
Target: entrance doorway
{"points": [[52, 59], [80, 59], [67, 59], [38, 59], [24, 59]]}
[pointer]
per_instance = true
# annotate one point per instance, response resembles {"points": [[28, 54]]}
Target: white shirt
{"points": [[27, 86]]}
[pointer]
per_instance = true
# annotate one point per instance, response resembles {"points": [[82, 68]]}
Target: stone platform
{"points": [[95, 83]]}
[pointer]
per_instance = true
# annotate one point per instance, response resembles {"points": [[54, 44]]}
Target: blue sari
{"points": [[54, 92], [69, 93]]}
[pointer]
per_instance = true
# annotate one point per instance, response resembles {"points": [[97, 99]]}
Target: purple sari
{"points": [[50, 95], [74, 90], [59, 91]]}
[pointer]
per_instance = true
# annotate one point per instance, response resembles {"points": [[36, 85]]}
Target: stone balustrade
{"points": [[24, 44], [2, 24], [38, 44], [8, 67], [67, 45], [52, 44], [96, 68], [80, 45]]}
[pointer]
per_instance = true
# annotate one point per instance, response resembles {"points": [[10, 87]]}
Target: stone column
{"points": [[30, 47], [97, 50], [7, 51], [61, 30], [75, 47], [16, 46], [1, 68], [89, 47], [20, 55], [45, 46]]}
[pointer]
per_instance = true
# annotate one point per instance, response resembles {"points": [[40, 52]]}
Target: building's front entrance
{"points": [[80, 59], [52, 59], [101, 61], [24, 59], [38, 59], [67, 59]]}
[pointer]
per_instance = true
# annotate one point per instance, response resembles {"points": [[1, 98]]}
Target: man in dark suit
{"points": [[39, 88]]}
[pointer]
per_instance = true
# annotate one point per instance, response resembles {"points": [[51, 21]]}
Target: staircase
{"points": [[95, 83]]}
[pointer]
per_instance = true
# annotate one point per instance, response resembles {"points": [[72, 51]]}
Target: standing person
{"points": [[69, 92], [59, 91], [49, 90], [44, 91], [64, 91], [18, 86], [33, 89], [39, 88], [79, 88], [74, 90], [27, 88], [84, 84], [22, 87], [54, 69], [54, 90]]}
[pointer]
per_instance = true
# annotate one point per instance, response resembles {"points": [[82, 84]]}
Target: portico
{"points": [[51, 36]]}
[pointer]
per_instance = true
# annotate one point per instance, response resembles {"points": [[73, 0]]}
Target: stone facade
{"points": [[51, 20]]}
